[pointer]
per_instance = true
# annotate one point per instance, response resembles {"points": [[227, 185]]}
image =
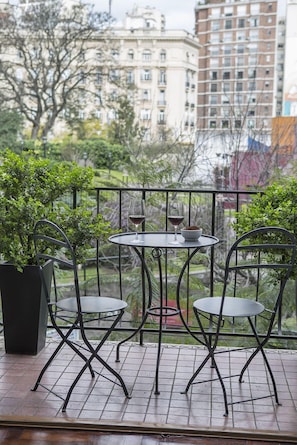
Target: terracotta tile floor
{"points": [[100, 400]]}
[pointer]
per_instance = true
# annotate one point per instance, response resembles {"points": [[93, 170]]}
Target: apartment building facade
{"points": [[290, 62], [236, 78]]}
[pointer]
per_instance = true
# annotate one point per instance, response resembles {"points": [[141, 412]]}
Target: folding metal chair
{"points": [[72, 314], [257, 268]]}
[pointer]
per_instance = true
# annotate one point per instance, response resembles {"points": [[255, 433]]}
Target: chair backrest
{"points": [[258, 266], [52, 244]]}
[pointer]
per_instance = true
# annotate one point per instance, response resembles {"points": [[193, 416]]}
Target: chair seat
{"points": [[233, 307], [91, 305]]}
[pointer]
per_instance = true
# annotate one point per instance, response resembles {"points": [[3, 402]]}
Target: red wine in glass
{"points": [[137, 216], [136, 219], [175, 220]]}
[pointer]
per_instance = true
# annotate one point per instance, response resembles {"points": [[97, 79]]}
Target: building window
{"points": [[241, 23], [161, 117], [255, 8], [212, 124], [99, 99], [252, 73], [213, 112], [130, 54], [240, 35], [146, 55], [254, 34], [226, 87], [240, 61], [214, 51], [214, 75], [253, 48], [225, 99], [227, 36], [213, 87], [162, 136], [162, 100], [252, 86], [228, 24], [213, 99], [239, 99], [254, 22], [215, 12], [240, 49], [239, 74], [225, 112], [215, 37], [226, 75], [227, 50], [227, 61], [214, 62], [239, 86], [130, 77], [252, 60], [162, 77], [163, 55], [228, 11], [113, 95], [114, 75], [215, 25], [115, 54], [225, 123], [146, 75], [241, 10], [145, 114], [146, 94], [238, 123], [99, 77]]}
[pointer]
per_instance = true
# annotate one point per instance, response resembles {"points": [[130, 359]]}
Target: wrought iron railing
{"points": [[119, 270]]}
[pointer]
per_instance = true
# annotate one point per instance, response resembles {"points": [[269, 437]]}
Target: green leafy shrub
{"points": [[33, 189], [277, 206]]}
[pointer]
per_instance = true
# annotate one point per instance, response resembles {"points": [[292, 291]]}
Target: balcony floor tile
{"points": [[99, 400]]}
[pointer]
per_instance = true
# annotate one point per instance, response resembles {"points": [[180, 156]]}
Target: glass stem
{"points": [[136, 233], [175, 233]]}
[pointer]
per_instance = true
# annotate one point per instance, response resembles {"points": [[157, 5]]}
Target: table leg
{"points": [[150, 296]]}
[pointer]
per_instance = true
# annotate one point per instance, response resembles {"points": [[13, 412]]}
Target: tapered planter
{"points": [[24, 308]]}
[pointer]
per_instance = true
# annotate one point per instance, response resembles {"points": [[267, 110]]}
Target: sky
{"points": [[179, 14]]}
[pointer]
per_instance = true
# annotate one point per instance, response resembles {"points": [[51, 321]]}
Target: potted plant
{"points": [[32, 189]]}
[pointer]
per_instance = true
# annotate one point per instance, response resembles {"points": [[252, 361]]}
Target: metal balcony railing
{"points": [[117, 270]]}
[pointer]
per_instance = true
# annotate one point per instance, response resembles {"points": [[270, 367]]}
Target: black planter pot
{"points": [[24, 308]]}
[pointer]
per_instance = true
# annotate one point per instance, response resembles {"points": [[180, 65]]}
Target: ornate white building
{"points": [[160, 69]]}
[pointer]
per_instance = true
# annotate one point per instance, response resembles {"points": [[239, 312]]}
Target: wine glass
{"points": [[137, 216], [175, 217]]}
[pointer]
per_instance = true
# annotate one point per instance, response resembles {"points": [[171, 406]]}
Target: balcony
{"points": [[200, 413], [105, 408]]}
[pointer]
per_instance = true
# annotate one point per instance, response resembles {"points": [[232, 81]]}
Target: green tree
{"points": [[46, 57], [10, 127], [124, 129]]}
